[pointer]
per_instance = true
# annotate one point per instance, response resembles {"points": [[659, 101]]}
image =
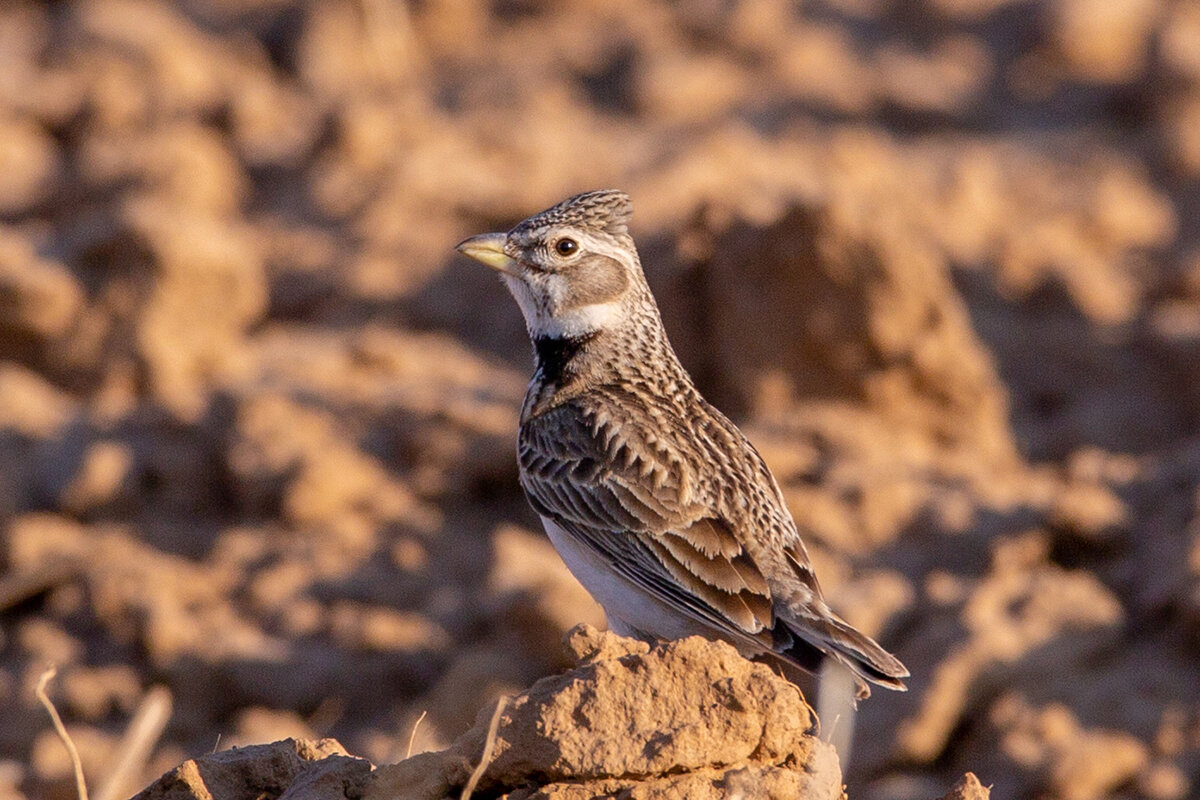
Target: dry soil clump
{"points": [[690, 719]]}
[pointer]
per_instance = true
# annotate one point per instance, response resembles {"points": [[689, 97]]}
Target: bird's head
{"points": [[572, 268]]}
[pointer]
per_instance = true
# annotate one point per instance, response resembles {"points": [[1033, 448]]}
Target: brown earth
{"points": [[940, 259], [683, 720], [689, 719]]}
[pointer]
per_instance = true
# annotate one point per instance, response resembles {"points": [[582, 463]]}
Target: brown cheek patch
{"points": [[595, 279]]}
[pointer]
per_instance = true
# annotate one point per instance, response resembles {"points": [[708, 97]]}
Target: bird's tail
{"points": [[808, 645], [865, 657]]}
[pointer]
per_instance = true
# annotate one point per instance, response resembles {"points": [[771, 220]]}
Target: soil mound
{"points": [[689, 719]]}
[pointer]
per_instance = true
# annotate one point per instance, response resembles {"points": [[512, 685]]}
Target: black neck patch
{"points": [[554, 354]]}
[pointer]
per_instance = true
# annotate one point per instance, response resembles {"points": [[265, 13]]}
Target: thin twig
{"points": [[61, 730], [413, 734], [488, 745], [138, 743]]}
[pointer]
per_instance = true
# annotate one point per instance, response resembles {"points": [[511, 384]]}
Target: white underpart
{"points": [[630, 610]]}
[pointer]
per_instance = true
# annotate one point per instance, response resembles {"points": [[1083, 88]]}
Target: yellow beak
{"points": [[488, 249]]}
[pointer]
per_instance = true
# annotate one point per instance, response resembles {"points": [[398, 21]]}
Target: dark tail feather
{"points": [[807, 645], [864, 655]]}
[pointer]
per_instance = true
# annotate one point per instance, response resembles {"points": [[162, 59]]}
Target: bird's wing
{"points": [[639, 507], [646, 511]]}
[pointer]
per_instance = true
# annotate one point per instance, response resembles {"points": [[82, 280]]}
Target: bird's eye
{"points": [[566, 246]]}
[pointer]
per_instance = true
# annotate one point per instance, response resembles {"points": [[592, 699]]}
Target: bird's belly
{"points": [[630, 610]]}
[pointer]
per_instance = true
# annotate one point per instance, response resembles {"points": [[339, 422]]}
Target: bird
{"points": [[657, 503]]}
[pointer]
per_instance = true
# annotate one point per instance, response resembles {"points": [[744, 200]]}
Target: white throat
{"points": [[541, 321], [578, 321]]}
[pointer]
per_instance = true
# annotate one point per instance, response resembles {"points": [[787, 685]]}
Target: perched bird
{"points": [[657, 503]]}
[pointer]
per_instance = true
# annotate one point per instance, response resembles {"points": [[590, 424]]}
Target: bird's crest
{"points": [[606, 210]]}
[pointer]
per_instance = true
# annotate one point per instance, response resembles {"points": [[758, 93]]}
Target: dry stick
{"points": [[138, 743], [488, 745], [413, 735], [61, 730]]}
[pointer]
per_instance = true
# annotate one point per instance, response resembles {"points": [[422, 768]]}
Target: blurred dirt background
{"points": [[941, 259]]}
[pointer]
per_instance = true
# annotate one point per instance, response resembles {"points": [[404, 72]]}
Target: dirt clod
{"points": [[673, 720], [293, 769]]}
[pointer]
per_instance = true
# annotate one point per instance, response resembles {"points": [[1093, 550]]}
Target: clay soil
{"points": [[940, 259]]}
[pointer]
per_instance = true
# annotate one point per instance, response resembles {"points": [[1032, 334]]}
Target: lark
{"points": [[657, 503]]}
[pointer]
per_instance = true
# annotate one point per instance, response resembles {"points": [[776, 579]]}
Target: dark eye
{"points": [[566, 246]]}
